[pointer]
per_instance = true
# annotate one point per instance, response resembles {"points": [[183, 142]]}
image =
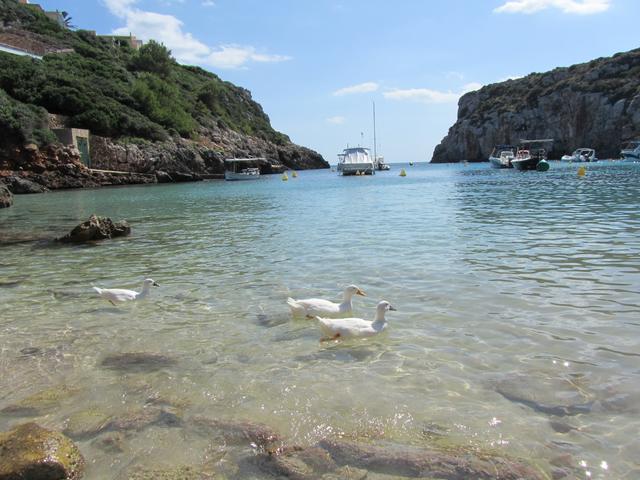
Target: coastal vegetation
{"points": [[115, 91]]}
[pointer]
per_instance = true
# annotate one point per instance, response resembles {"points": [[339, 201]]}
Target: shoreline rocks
{"points": [[32, 452], [96, 228], [6, 197]]}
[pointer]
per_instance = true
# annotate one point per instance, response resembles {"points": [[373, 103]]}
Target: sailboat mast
{"points": [[375, 155]]}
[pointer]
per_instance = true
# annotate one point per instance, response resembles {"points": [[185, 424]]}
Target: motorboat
{"points": [[355, 161], [242, 168], [581, 155], [502, 155], [531, 155], [380, 165], [631, 151]]}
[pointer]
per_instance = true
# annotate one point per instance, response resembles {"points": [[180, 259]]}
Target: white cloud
{"points": [[183, 45], [208, 3], [580, 7], [236, 56], [511, 77], [337, 120], [427, 95], [360, 88]]}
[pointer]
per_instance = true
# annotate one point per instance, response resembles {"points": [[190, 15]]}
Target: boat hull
{"points": [[497, 163], [236, 176], [525, 164], [357, 169], [630, 156]]}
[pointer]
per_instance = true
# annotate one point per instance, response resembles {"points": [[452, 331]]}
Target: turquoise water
{"points": [[514, 290]]}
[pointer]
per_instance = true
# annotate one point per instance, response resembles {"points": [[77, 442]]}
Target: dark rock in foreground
{"points": [[6, 198], [96, 228], [458, 464], [34, 453], [137, 361]]}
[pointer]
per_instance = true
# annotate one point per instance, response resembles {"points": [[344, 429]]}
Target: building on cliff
{"points": [[77, 137], [130, 40]]}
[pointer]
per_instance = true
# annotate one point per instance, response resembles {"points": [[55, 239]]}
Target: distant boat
{"points": [[355, 161], [502, 155], [242, 168], [380, 165], [529, 155], [631, 150], [581, 155]]}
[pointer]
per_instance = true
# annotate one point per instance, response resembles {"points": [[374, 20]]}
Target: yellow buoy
{"points": [[284, 177], [403, 173], [294, 174], [582, 171]]}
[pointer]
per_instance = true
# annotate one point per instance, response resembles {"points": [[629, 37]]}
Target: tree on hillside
{"points": [[67, 20], [153, 57]]}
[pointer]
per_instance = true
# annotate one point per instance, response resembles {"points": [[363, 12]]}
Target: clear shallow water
{"points": [[500, 278]]}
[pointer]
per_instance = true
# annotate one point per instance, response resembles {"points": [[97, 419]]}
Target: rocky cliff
{"points": [[594, 104]]}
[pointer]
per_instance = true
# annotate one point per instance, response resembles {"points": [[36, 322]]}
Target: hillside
{"points": [[594, 104], [125, 97]]}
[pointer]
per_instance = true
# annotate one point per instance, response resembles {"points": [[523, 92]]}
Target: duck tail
{"points": [[98, 290], [296, 308]]}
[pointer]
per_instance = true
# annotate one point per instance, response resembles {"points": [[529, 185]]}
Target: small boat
{"points": [[631, 151], [581, 155], [529, 155], [242, 168], [355, 161], [380, 165], [502, 155]]}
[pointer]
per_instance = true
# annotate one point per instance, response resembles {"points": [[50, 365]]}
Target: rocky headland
{"points": [[594, 104], [149, 118]]}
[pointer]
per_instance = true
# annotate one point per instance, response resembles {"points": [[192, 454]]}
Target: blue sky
{"points": [[317, 65]]}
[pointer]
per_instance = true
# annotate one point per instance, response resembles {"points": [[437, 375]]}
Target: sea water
{"points": [[516, 293]]}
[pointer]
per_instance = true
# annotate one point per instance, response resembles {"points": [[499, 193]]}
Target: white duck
{"points": [[121, 295], [312, 307], [355, 327]]}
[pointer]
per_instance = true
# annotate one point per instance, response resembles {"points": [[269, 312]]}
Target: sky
{"points": [[317, 66]]}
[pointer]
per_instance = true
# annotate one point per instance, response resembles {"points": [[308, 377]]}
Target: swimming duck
{"points": [[311, 307], [114, 295], [355, 327]]}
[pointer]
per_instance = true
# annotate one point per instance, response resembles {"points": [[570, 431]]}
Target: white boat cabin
{"points": [[356, 161]]}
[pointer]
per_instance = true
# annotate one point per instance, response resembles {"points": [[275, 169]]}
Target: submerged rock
{"points": [[39, 403], [237, 432], [96, 228], [458, 464], [175, 473], [86, 424], [553, 396], [31, 452], [6, 198], [137, 361]]}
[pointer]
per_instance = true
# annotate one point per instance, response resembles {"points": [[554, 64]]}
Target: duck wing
{"points": [[117, 294]]}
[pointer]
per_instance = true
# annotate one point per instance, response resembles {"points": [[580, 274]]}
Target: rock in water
{"points": [[457, 464], [20, 185], [35, 453], [6, 198], [96, 228], [138, 361]]}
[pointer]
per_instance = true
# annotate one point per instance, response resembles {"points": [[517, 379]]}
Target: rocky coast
{"points": [[594, 104]]}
